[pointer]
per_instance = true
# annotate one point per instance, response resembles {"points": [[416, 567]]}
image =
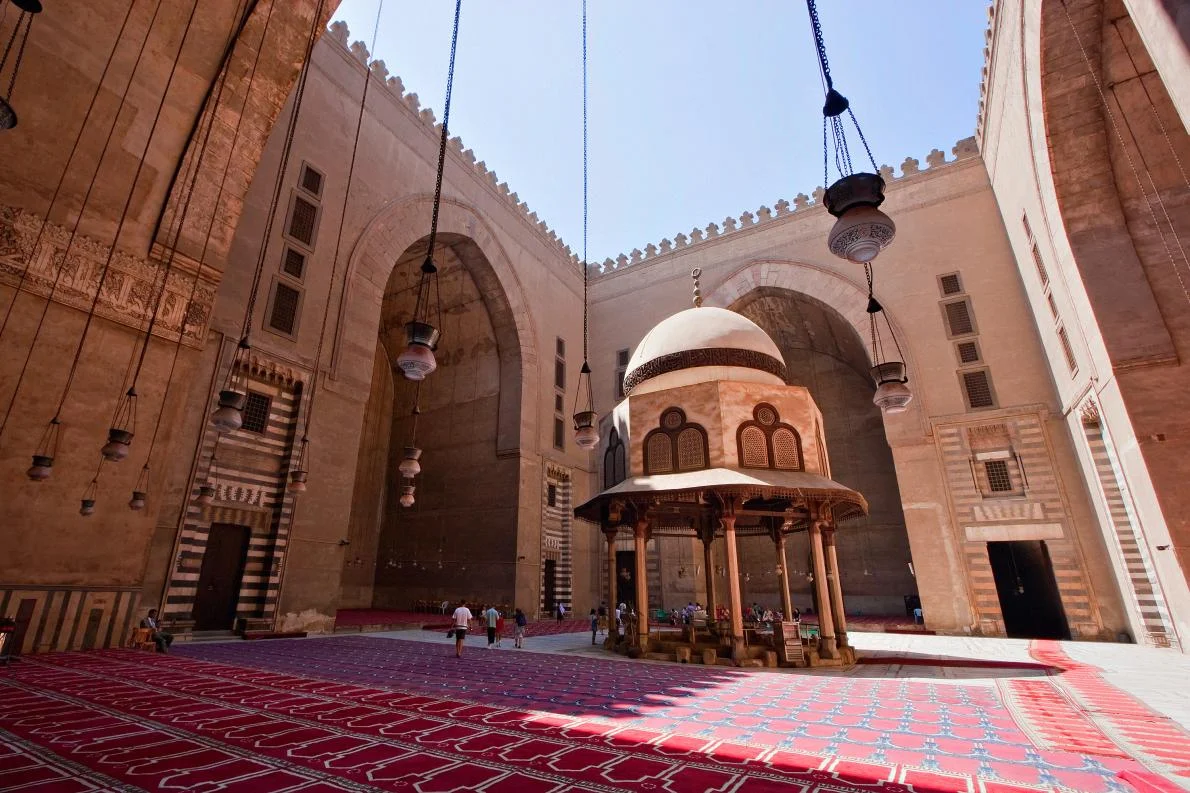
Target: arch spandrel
{"points": [[393, 229], [847, 296]]}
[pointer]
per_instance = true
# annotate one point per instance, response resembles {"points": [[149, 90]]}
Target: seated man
{"points": [[163, 639]]}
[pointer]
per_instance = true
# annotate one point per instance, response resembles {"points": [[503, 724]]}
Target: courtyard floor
{"points": [[397, 711]]}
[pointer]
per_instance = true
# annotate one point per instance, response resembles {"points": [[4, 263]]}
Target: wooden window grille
{"points": [[951, 285], [284, 314], [997, 474], [958, 317], [659, 453], [256, 413], [311, 181], [1053, 306], [978, 387], [968, 352], [294, 263], [559, 433], [551, 495], [787, 453], [303, 220], [676, 445], [1067, 350], [765, 442], [754, 451], [1040, 264]]}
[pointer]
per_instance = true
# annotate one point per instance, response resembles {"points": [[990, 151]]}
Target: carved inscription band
{"points": [[689, 359]]}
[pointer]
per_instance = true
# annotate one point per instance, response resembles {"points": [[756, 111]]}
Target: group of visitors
{"points": [[492, 620]]}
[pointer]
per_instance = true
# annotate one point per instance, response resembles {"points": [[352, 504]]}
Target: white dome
{"points": [[677, 347]]}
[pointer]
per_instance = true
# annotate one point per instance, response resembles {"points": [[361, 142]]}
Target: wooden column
{"points": [[708, 566], [640, 536], [733, 588], [827, 647], [613, 635], [835, 579], [783, 576]]}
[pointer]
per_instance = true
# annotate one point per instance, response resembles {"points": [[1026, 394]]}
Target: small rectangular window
{"points": [[559, 433], [1041, 271], [1067, 350], [256, 412], [559, 374], [557, 403], [997, 474], [950, 284], [283, 312], [968, 352], [1028, 229], [303, 221], [560, 347], [1053, 306], [551, 495], [294, 263], [959, 321], [978, 388], [311, 181], [622, 357]]}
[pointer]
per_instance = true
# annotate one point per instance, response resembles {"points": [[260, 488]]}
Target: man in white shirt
{"points": [[462, 617]]}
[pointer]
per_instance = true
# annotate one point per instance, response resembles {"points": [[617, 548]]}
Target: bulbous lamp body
{"points": [[206, 496], [410, 465], [229, 416], [892, 395], [87, 507], [417, 361], [137, 502], [116, 448], [407, 495], [862, 230], [297, 481], [585, 434], [41, 469]]}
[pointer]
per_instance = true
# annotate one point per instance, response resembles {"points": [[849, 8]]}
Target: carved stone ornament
{"points": [[689, 359], [129, 290]]}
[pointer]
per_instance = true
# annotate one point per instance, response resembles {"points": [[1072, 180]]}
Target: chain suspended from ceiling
{"points": [[417, 360], [300, 473], [585, 433], [862, 230], [233, 395], [29, 10]]}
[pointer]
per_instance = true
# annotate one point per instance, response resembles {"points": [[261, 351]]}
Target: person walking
{"points": [[493, 618], [594, 625], [462, 618], [499, 629], [561, 611], [518, 633]]}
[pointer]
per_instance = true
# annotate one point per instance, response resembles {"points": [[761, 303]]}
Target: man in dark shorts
{"points": [[462, 618]]}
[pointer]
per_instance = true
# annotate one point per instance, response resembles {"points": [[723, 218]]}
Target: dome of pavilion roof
{"points": [[700, 345]]}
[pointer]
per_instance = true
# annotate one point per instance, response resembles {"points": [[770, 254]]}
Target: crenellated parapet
{"points": [[985, 74], [339, 33], [910, 168]]}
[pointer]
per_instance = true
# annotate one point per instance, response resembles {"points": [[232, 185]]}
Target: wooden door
{"points": [[219, 579]]}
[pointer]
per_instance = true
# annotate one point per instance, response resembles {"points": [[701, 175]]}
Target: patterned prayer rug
{"points": [[362, 713]]}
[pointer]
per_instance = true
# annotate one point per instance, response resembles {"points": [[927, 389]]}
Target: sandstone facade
{"points": [[1035, 287]]}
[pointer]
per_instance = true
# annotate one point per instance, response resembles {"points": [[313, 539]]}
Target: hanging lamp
{"points": [[206, 491], [410, 465], [87, 505], [892, 393], [299, 475], [119, 436], [47, 448], [141, 491], [229, 416], [585, 433], [862, 230], [422, 335], [29, 9]]}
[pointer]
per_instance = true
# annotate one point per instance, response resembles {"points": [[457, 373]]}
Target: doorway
{"points": [[220, 577], [549, 586], [1029, 597]]}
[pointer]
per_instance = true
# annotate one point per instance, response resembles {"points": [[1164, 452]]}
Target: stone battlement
{"points": [[340, 34], [910, 168]]}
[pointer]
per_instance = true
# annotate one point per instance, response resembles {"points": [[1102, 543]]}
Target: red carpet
{"points": [[358, 713]]}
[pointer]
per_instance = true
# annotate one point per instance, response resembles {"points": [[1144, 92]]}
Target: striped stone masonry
{"points": [[556, 527], [64, 618]]}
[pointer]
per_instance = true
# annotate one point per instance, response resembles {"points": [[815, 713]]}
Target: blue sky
{"points": [[697, 109]]}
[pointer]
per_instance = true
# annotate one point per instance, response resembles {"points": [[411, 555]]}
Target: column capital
{"points": [[640, 528]]}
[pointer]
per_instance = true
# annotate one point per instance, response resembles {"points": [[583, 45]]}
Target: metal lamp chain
{"points": [[585, 201], [820, 44], [450, 78]]}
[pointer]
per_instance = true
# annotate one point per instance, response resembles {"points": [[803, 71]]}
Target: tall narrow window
{"points": [[997, 474], [1067, 350], [256, 412], [303, 221], [659, 454], [754, 451], [787, 453], [977, 386], [622, 357], [284, 308], [959, 320], [613, 461]]}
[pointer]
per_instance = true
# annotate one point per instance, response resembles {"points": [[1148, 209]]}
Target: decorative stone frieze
{"points": [[128, 290]]}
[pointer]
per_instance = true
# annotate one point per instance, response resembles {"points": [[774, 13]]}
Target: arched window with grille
{"points": [[676, 445], [767, 442], [614, 468]]}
